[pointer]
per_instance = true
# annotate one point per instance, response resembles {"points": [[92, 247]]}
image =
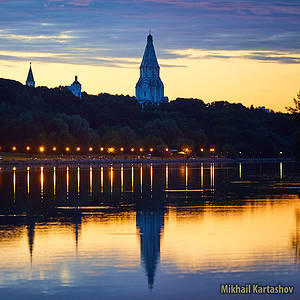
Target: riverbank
{"points": [[23, 159]]}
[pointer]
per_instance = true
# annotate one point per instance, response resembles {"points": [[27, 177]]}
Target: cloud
{"points": [[118, 28]]}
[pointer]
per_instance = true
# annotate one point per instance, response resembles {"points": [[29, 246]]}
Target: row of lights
{"points": [[109, 150]]}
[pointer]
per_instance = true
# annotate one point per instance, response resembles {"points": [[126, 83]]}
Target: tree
{"points": [[295, 109]]}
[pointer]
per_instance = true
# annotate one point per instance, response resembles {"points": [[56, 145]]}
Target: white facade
{"points": [[149, 88], [75, 88]]}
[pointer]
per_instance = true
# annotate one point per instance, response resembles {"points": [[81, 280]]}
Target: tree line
{"points": [[43, 116]]}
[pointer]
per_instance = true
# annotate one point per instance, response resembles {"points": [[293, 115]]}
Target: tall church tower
{"points": [[30, 79], [149, 88]]}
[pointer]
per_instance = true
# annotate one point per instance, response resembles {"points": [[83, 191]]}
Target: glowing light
{"points": [[151, 149], [132, 149], [14, 148], [280, 152], [122, 149], [90, 149], [54, 148], [202, 150], [67, 149], [78, 149], [111, 150], [27, 148], [212, 149], [141, 149], [102, 149], [42, 149], [167, 149], [186, 150]]}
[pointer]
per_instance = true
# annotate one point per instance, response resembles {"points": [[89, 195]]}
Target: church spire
{"points": [[149, 88], [30, 80]]}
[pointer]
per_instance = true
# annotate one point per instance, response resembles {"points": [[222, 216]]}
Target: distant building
{"points": [[149, 88], [75, 88], [30, 80]]}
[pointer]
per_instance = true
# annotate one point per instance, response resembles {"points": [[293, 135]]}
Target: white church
{"points": [[150, 89]]}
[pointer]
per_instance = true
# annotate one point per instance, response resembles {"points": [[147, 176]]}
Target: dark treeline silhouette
{"points": [[42, 116]]}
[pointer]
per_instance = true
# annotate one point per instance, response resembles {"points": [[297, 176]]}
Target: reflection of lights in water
{"points": [[91, 180], [202, 175], [167, 176], [78, 181], [111, 179], [14, 182], [186, 176], [54, 181], [42, 183], [132, 178], [141, 177], [212, 174], [280, 171], [122, 178], [151, 177], [28, 180], [240, 170], [68, 181], [101, 175]]}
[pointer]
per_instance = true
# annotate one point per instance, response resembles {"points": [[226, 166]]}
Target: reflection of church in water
{"points": [[150, 222]]}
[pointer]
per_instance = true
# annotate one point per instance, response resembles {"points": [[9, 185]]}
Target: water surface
{"points": [[172, 231]]}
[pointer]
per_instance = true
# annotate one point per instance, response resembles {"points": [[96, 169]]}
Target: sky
{"points": [[239, 51]]}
